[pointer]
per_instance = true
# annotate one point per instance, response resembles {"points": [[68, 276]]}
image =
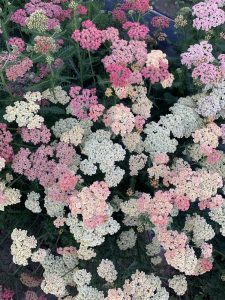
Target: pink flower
{"points": [[206, 250], [160, 22], [211, 203], [90, 202], [68, 181], [6, 151], [88, 24], [47, 164], [19, 70], [19, 17], [141, 6], [110, 34], [90, 38], [158, 208], [207, 73], [135, 30], [161, 159], [7, 294], [208, 15], [81, 10], [52, 23], [18, 42], [197, 54], [182, 202], [51, 10], [67, 250], [119, 76], [96, 111], [59, 222], [36, 136], [156, 74], [139, 123], [172, 241], [120, 119], [119, 15], [126, 53], [206, 264], [213, 157], [82, 101]]}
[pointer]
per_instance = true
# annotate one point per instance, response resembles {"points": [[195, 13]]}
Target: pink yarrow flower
{"points": [[135, 30], [90, 38], [19, 70], [83, 103]]}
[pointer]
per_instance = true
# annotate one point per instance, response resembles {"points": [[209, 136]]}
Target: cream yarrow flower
{"points": [[21, 246], [127, 240], [107, 271], [179, 284], [25, 112]]}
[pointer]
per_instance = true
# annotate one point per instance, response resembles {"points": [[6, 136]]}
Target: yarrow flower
{"points": [[120, 119], [21, 246], [111, 155], [91, 204], [8, 196], [25, 112], [197, 54], [90, 38], [135, 30], [179, 284], [37, 21], [156, 69], [207, 15], [127, 240], [83, 103], [141, 6], [36, 135], [17, 42], [160, 22], [18, 70], [107, 270], [44, 44], [6, 150]]}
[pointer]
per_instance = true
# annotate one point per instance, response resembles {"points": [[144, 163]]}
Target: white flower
{"points": [[21, 246], [107, 270], [25, 112], [158, 139], [32, 202], [127, 239], [54, 284], [58, 95], [2, 163], [179, 284], [82, 277]]}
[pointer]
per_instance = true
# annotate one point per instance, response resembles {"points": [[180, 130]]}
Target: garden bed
{"points": [[112, 142]]}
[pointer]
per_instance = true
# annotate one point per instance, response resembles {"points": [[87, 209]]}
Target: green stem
{"points": [[52, 82], [149, 89], [80, 66], [222, 254], [92, 70], [14, 181], [3, 79], [71, 270]]}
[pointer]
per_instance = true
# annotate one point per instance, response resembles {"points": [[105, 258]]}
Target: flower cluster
{"points": [[114, 181], [208, 14], [21, 246]]}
